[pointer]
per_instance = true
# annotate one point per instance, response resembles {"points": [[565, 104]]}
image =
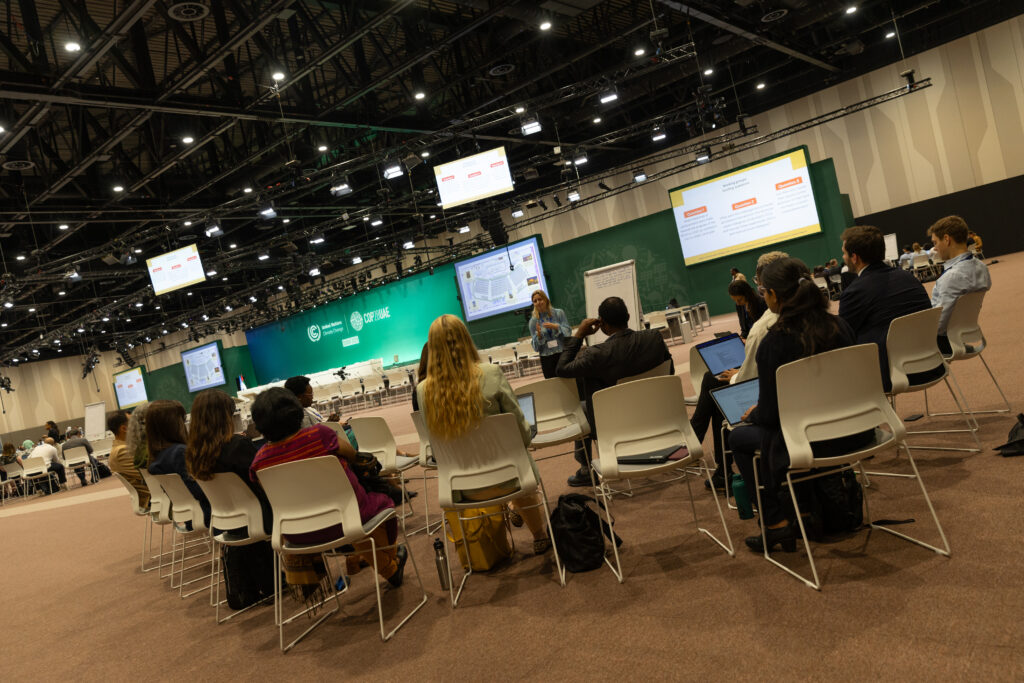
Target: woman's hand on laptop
{"points": [[726, 375], [746, 415]]}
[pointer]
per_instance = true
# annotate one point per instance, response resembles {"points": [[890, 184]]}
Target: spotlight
{"points": [[597, 119], [704, 155], [639, 52], [392, 169], [322, 148], [268, 212], [425, 153], [376, 220], [408, 245], [609, 96], [604, 187], [851, 9], [573, 195], [317, 239], [247, 190], [657, 134], [890, 34], [277, 76], [760, 86], [543, 206], [187, 223], [211, 272], [20, 257], [909, 76], [188, 139], [517, 212], [252, 298], [62, 226], [118, 188], [314, 272], [286, 220], [356, 260], [464, 229], [72, 46], [263, 257], [520, 109], [213, 230], [420, 95], [639, 176], [341, 188], [230, 246], [558, 202], [531, 125], [580, 158], [545, 26], [61, 293], [708, 71]]}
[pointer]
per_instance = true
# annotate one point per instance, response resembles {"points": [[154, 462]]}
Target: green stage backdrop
{"points": [[380, 323]]}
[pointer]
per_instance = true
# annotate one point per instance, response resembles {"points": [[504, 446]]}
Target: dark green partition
{"points": [[169, 383]]}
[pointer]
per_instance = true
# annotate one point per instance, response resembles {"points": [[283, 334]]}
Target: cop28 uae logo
{"points": [[313, 331], [356, 320]]}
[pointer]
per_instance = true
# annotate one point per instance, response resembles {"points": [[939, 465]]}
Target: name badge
{"points": [[553, 344]]}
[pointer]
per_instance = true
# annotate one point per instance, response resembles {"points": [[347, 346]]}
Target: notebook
{"points": [[655, 457], [734, 400], [724, 353], [526, 405]]}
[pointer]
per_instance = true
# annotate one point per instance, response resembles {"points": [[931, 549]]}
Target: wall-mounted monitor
{"points": [[130, 387], [749, 207], [475, 177], [501, 280], [176, 269], [203, 367]]}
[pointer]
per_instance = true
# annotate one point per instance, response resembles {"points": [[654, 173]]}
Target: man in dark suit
{"points": [[623, 354], [878, 294]]}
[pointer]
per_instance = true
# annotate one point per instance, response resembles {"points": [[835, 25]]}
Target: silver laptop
{"points": [[735, 399], [526, 405]]}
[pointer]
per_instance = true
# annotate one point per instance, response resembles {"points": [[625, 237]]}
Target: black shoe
{"points": [[581, 478], [396, 578], [718, 479], [785, 535]]}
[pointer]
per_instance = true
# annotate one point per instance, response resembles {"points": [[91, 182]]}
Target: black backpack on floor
{"points": [[248, 573], [838, 502], [577, 529]]}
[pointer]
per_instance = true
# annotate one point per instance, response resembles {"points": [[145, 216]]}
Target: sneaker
{"points": [[396, 578], [581, 478]]}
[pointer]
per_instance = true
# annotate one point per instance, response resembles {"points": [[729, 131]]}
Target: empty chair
{"points": [[559, 415], [315, 495], [398, 382], [351, 388], [375, 437], [373, 388], [658, 321], [527, 357], [504, 357], [922, 266], [644, 417], [808, 416]]}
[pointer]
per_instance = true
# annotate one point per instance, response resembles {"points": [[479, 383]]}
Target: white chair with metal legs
{"points": [[375, 437], [160, 514], [697, 369], [559, 415], [639, 417], [912, 349], [137, 510], [315, 495], [14, 471], [967, 341], [811, 416], [36, 469], [78, 456], [427, 464], [489, 457], [237, 519], [187, 515]]}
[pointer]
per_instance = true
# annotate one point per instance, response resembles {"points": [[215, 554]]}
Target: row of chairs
{"points": [[34, 470]]}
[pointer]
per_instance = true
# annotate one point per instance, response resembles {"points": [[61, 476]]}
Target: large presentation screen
{"points": [[130, 387], [471, 178], [501, 280], [175, 269], [203, 368], [746, 208]]}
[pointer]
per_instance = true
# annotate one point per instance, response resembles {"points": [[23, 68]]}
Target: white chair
{"points": [[697, 369], [160, 514], [351, 388], [236, 515], [34, 469], [808, 416], [912, 348], [373, 387], [138, 511], [78, 456], [375, 437], [660, 370], [658, 321], [967, 341], [527, 357], [427, 464], [642, 417], [314, 495], [490, 456], [187, 515], [559, 415], [921, 266], [505, 358], [14, 471], [398, 383]]}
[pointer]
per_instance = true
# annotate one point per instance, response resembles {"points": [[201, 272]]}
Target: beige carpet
{"points": [[76, 606]]}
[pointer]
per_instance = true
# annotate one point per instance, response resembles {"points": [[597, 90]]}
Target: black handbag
{"points": [[577, 529]]}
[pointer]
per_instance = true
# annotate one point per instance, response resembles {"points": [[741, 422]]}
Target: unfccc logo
{"points": [[356, 320], [313, 331]]}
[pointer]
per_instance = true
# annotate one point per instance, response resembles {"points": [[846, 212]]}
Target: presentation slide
{"points": [[472, 178], [747, 208], [175, 269], [130, 388], [501, 280], [203, 368]]}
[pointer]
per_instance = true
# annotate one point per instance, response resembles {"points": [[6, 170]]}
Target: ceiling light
{"points": [[464, 229], [188, 139], [639, 52], [81, 329], [657, 134], [62, 226], [61, 293], [708, 71], [104, 318], [184, 324], [341, 188], [597, 119], [263, 257], [187, 223], [520, 109], [314, 272], [278, 75], [247, 190], [376, 220], [118, 188], [580, 158], [316, 239], [211, 272], [408, 245], [228, 308], [33, 310], [851, 9], [890, 34], [425, 153], [639, 176], [517, 212], [72, 46], [433, 216], [138, 304], [1, 129], [531, 126], [545, 26], [205, 317], [213, 230], [760, 86], [420, 95], [137, 250], [573, 195], [230, 246], [268, 212], [286, 220], [704, 155], [609, 96], [356, 260], [20, 257], [392, 169]]}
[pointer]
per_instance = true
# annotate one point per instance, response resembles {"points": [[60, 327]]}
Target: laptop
{"points": [[734, 399], [724, 353], [526, 405], [662, 455]]}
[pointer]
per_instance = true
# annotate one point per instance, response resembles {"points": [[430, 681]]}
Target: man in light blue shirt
{"points": [[962, 271]]}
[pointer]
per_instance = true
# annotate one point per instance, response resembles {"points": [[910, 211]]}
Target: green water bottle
{"points": [[739, 492]]}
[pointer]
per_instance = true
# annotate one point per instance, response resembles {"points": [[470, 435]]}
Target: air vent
{"points": [[188, 11], [19, 165], [502, 69], [774, 15]]}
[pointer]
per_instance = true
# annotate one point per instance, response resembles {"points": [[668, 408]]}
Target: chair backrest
{"points": [[373, 382], [159, 503], [184, 506], [132, 493], [397, 378], [233, 505], [856, 405], [912, 347], [640, 417], [75, 455], [426, 453], [350, 387], [697, 369], [656, 318], [921, 261], [502, 354], [13, 469], [375, 437], [659, 370], [309, 495], [556, 404], [34, 466], [491, 454], [524, 349], [338, 429], [963, 329]]}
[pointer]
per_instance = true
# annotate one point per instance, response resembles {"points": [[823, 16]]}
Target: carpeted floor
{"points": [[76, 606]]}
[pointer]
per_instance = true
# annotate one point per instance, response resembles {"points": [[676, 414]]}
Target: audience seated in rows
{"points": [[166, 437], [805, 327], [76, 440], [623, 354], [121, 460], [458, 392], [706, 413], [749, 305], [962, 271]]}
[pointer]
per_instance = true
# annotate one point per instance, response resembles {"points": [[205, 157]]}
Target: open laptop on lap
{"points": [[735, 399], [724, 353]]}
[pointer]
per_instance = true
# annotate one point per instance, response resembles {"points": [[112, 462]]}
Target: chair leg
{"points": [[279, 619], [945, 550], [977, 412], [968, 415], [380, 608], [551, 533], [728, 537], [604, 494], [468, 570]]}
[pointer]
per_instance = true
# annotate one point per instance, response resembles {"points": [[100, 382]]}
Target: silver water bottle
{"points": [[441, 561]]}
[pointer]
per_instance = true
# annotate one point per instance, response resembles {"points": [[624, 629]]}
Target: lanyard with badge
{"points": [[550, 343]]}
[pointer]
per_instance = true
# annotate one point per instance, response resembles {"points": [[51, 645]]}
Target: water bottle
{"points": [[441, 561], [739, 492]]}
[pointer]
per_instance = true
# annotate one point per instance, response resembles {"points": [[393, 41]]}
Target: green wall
{"points": [[169, 383]]}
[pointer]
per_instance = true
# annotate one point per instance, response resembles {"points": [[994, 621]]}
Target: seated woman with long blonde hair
{"points": [[459, 391]]}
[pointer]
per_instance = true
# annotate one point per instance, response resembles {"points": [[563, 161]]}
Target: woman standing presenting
{"points": [[547, 327]]}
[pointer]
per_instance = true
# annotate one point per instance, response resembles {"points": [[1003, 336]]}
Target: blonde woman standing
{"points": [[547, 328], [459, 391]]}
